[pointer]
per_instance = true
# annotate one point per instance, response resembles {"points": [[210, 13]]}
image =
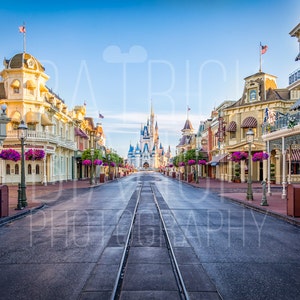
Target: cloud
{"points": [[136, 54]]}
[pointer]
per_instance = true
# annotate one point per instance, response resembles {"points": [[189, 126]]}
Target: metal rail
{"points": [[120, 275]]}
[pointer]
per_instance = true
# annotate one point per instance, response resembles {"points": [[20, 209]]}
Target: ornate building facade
{"points": [[60, 133], [148, 152]]}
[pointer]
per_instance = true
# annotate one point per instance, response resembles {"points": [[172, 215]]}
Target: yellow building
{"points": [[51, 126]]}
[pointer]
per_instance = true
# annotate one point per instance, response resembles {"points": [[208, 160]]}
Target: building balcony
{"points": [[287, 121], [43, 137]]}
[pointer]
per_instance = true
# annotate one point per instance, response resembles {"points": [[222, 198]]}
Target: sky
{"points": [[121, 57]]}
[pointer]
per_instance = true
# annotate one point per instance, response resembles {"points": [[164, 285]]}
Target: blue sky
{"points": [[118, 55]]}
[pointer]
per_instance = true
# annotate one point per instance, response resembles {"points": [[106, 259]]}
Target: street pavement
{"points": [[37, 195]]}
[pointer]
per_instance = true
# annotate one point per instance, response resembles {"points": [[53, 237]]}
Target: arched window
{"points": [[16, 169], [29, 170], [37, 169], [8, 169]]}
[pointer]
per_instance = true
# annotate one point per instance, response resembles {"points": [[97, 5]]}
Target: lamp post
{"points": [[250, 139], [108, 159], [22, 136], [92, 166], [197, 165]]}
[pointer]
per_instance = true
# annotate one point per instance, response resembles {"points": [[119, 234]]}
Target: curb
{"points": [[265, 211], [19, 215]]}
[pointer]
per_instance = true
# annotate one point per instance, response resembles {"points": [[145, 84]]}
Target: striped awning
{"points": [[45, 121], [295, 155], [81, 133], [231, 127], [249, 122], [32, 117], [16, 117], [221, 158]]}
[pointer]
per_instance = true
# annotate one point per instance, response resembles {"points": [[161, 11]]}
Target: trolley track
{"points": [[148, 263]]}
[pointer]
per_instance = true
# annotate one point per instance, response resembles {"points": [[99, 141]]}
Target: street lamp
{"points": [[108, 159], [250, 139], [22, 136], [92, 166], [197, 165]]}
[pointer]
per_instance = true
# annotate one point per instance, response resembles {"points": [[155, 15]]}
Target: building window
{"points": [[16, 169], [232, 134], [29, 169], [37, 169], [7, 169], [16, 90], [31, 126], [295, 168]]}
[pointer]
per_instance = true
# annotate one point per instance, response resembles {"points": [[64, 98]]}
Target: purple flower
{"points": [[202, 162], [238, 156], [34, 154], [112, 164], [191, 162], [87, 162], [181, 164], [260, 156], [10, 154], [98, 162]]}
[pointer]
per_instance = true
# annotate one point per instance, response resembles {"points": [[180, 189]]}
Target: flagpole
{"points": [[260, 57]]}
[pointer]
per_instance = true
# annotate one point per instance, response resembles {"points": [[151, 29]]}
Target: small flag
{"points": [[84, 103], [263, 49], [101, 116], [188, 108], [298, 57], [22, 29]]}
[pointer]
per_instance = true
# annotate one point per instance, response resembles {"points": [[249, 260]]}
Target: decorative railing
{"points": [[282, 122], [42, 136]]}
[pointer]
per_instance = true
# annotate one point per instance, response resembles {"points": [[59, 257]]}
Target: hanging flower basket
{"points": [[202, 162], [191, 162], [171, 165], [181, 164], [260, 156], [34, 154], [10, 154], [97, 162], [87, 162], [238, 156], [105, 164], [112, 164]]}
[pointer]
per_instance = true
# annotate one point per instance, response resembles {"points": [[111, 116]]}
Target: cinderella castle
{"points": [[149, 152]]}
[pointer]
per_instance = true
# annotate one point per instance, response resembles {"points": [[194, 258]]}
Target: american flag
{"points": [[22, 29], [101, 116]]}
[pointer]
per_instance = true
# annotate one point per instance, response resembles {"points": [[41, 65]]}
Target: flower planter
{"points": [[102, 178], [181, 176]]}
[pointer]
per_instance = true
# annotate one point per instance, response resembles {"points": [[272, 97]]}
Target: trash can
{"points": [[102, 177], [293, 200], [4, 210]]}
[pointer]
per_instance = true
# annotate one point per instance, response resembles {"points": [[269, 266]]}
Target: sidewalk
{"points": [[230, 190], [237, 192], [36, 192]]}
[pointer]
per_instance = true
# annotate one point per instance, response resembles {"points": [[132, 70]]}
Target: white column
{"points": [[243, 177], [45, 170], [283, 196]]}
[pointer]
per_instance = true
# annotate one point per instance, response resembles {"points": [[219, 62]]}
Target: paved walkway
{"points": [[233, 191]]}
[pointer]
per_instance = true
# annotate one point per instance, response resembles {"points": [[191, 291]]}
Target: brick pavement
{"points": [[233, 191]]}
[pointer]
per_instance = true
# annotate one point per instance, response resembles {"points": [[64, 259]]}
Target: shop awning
{"points": [[249, 122], [30, 85], [231, 127], [296, 105], [45, 121], [295, 155], [81, 133], [16, 117], [32, 117], [221, 158]]}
